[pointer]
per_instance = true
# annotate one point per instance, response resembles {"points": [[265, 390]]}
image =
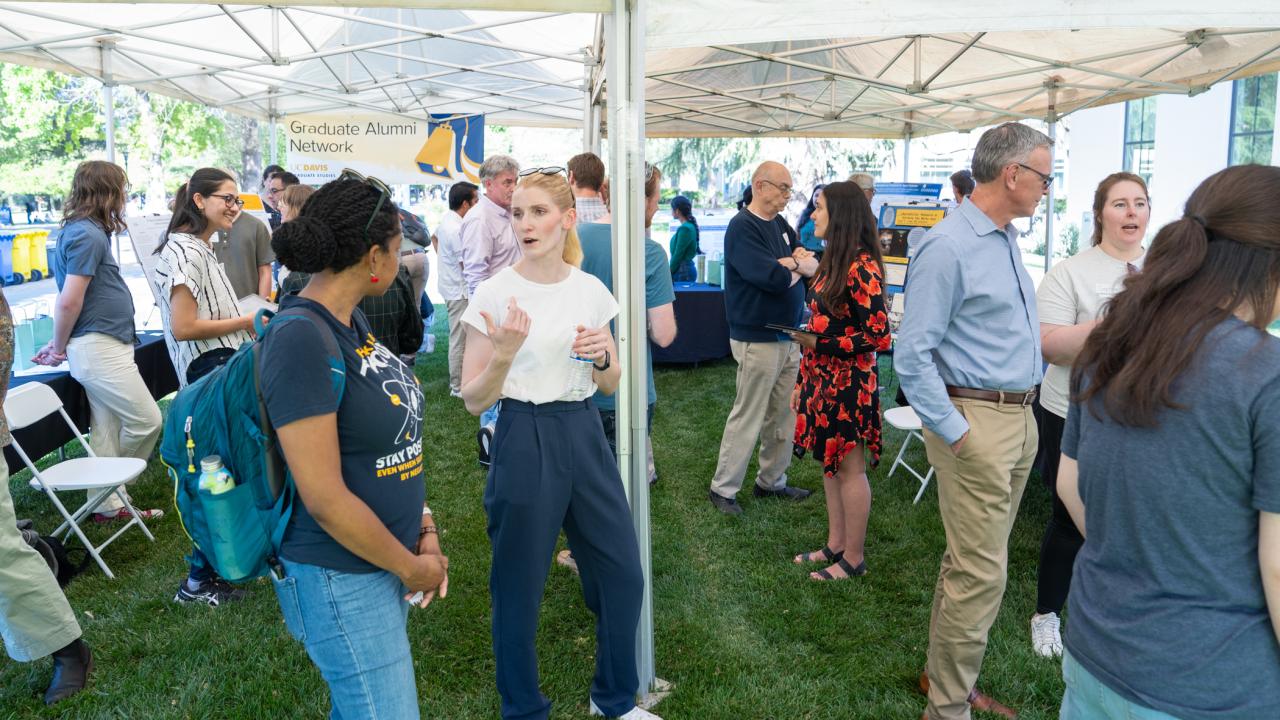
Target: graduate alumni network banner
{"points": [[393, 148]]}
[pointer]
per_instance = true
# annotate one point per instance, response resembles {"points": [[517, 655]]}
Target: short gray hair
{"points": [[495, 165], [866, 181], [1003, 145]]}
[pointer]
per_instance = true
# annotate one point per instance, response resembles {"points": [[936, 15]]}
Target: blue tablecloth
{"points": [[52, 433], [703, 326]]}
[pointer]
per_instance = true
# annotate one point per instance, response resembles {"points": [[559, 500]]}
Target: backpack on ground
{"points": [[224, 414]]}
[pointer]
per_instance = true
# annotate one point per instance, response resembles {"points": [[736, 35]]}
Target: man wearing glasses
{"points": [[489, 245], [968, 357], [764, 268], [276, 183]]}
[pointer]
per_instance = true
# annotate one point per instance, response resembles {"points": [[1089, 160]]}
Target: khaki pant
{"points": [[978, 494], [418, 268], [124, 420], [35, 619], [761, 410], [457, 342]]}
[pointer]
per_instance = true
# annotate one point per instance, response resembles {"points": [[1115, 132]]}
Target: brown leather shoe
{"points": [[978, 700]]}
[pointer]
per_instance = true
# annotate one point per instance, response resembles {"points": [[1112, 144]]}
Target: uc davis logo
{"points": [[454, 149]]}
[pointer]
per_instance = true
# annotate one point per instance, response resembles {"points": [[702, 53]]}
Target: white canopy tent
{"points": [[855, 68]]}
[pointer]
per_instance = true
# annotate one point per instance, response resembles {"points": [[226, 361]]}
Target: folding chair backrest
{"points": [[29, 404]]}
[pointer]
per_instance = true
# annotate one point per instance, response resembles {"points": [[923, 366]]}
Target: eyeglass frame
{"points": [[384, 192], [788, 190], [550, 170], [235, 199], [1045, 180]]}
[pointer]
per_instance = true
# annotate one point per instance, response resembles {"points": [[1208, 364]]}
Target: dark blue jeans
{"points": [[685, 272]]}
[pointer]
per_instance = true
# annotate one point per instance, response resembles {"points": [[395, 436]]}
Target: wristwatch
{"points": [[606, 364]]}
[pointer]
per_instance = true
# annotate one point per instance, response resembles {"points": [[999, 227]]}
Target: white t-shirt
{"points": [[186, 260], [1073, 292], [449, 239], [542, 368]]}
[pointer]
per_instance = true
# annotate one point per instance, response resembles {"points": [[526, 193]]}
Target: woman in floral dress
{"points": [[837, 397]]}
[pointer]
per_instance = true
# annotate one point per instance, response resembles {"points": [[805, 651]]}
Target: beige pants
{"points": [[418, 268], [35, 619], [978, 494], [457, 341], [124, 420], [761, 410]]}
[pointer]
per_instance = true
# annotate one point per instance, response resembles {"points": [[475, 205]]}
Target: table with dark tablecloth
{"points": [[52, 433], [703, 327]]}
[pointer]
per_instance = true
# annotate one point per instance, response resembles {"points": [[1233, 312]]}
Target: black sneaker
{"points": [[728, 506], [209, 592], [484, 437], [782, 493]]}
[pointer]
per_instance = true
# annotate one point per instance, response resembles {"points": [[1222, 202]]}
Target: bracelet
{"points": [[428, 530]]}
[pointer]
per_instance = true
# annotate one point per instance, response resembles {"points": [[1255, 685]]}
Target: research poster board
{"points": [[145, 231], [891, 193], [441, 148]]}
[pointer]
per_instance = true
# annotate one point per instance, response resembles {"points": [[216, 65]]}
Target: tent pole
{"points": [[1052, 119], [626, 150], [271, 128], [588, 107], [906, 155], [108, 97]]}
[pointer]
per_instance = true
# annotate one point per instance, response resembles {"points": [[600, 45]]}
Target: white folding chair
{"points": [[35, 401], [904, 418]]}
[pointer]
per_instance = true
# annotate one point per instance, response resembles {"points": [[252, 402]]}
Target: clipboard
{"points": [[798, 330]]}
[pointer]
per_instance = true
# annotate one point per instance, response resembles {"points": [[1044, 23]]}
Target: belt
{"points": [[996, 396], [415, 251]]}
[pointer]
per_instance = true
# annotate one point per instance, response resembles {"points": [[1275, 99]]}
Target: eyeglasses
{"points": [[541, 171], [784, 189], [1044, 179], [384, 192], [230, 199]]}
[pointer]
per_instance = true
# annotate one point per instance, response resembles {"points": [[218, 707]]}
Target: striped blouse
{"points": [[186, 260]]}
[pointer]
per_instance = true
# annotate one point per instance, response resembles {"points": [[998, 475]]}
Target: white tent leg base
{"points": [[661, 689]]}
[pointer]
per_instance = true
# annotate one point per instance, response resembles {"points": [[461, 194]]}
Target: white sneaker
{"points": [[636, 713], [1046, 639]]}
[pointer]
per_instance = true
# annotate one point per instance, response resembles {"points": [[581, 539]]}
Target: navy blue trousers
{"points": [[551, 469]]}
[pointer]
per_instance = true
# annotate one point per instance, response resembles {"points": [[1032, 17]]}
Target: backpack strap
{"points": [[278, 477]]}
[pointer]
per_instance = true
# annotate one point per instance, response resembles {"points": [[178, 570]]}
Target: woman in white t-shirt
{"points": [[1070, 302], [203, 325], [538, 339]]}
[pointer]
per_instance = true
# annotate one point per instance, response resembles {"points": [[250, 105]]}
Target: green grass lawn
{"points": [[741, 632]]}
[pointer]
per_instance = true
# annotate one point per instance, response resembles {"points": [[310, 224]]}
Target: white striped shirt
{"points": [[186, 260]]}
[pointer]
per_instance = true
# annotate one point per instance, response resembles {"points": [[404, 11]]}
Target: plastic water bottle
{"points": [[581, 385], [214, 479]]}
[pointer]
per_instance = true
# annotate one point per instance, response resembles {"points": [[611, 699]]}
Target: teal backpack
{"points": [[223, 413]]}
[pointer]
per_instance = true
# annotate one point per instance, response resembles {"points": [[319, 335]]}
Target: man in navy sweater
{"points": [[764, 268]]}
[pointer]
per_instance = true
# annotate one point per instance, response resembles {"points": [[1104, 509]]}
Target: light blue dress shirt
{"points": [[969, 321]]}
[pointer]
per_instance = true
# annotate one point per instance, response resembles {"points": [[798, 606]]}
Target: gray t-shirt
{"points": [[243, 251], [1167, 606], [84, 249]]}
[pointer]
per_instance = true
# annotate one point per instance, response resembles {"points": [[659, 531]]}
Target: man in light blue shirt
{"points": [[968, 356]]}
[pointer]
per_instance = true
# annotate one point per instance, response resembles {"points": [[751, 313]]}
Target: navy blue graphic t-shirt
{"points": [[379, 426]]}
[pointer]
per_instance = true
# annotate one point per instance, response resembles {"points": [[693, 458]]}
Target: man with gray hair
{"points": [[866, 181], [968, 357], [489, 245]]}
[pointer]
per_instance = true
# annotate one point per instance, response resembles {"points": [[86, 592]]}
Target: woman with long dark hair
{"points": [[684, 244], [1170, 468], [93, 325], [837, 398], [361, 540], [808, 238], [203, 325], [1070, 301]]}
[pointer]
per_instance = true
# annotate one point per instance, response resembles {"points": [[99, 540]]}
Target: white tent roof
{"points": [[877, 68], [518, 68]]}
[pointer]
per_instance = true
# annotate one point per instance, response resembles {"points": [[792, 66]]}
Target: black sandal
{"points": [[850, 571], [828, 554]]}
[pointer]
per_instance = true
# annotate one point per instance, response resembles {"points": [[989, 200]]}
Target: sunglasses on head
{"points": [[541, 171], [384, 192]]}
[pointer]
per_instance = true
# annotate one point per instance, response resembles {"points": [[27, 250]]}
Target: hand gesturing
{"points": [[508, 337]]}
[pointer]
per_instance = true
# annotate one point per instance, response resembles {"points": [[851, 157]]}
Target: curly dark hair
{"points": [[329, 232]]}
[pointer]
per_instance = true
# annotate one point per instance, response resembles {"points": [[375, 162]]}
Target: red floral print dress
{"points": [[838, 391]]}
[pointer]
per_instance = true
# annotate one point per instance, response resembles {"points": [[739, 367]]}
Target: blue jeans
{"points": [[1086, 698], [685, 272], [353, 626]]}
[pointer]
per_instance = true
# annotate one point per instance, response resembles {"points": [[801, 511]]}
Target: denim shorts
{"points": [[353, 627], [1087, 698]]}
